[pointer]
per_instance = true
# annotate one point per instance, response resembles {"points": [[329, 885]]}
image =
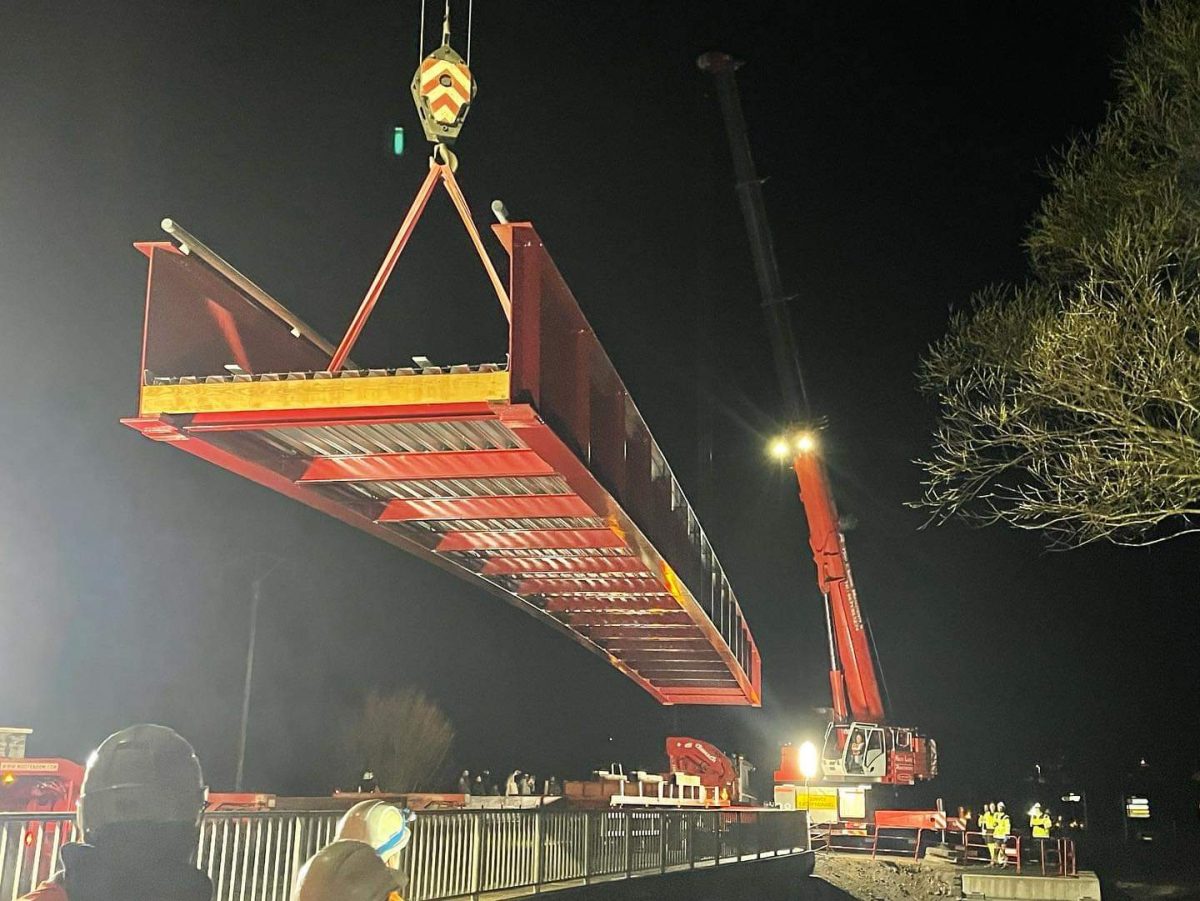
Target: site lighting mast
{"points": [[859, 746]]}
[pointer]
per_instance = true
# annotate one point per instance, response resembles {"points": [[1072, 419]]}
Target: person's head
{"points": [[466, 774], [346, 871], [1000, 807], [385, 827], [143, 789], [1037, 809], [991, 806]]}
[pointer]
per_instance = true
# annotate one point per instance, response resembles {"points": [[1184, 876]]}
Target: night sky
{"points": [[902, 146]]}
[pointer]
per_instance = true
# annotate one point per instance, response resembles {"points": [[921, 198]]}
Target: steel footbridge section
{"points": [[535, 478]]}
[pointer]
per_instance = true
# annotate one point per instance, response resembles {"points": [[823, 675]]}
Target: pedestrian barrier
{"points": [[890, 841], [256, 856], [1044, 856]]}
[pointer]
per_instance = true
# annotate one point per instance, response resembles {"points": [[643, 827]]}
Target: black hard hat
{"points": [[346, 870], [144, 774]]}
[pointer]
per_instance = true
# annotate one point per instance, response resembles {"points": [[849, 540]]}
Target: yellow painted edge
{"points": [[365, 391]]}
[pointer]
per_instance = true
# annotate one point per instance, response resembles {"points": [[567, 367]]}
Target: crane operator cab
{"points": [[854, 752]]}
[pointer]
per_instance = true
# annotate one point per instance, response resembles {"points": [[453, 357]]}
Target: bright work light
{"points": [[808, 760]]}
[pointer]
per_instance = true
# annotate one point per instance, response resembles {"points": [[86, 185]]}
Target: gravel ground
{"points": [[888, 880]]}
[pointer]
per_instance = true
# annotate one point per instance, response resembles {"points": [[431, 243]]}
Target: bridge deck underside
{"points": [[465, 486]]}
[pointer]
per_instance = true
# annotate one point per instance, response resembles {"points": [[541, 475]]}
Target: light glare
{"points": [[808, 760]]}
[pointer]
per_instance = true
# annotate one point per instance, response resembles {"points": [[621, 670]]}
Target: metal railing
{"points": [[255, 856], [1045, 856]]}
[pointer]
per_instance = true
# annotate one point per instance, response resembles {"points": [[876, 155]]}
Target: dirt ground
{"points": [[887, 880]]}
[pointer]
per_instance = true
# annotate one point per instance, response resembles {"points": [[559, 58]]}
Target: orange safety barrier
{"points": [[1051, 856]]}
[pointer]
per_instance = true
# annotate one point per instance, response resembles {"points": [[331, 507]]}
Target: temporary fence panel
{"points": [[256, 856]]}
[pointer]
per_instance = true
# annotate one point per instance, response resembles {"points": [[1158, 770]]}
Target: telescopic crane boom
{"points": [[859, 745]]}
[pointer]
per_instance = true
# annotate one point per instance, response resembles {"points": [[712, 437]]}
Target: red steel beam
{"points": [[731, 699], [529, 506], [678, 658], [591, 586], [618, 619], [514, 566], [632, 605], [549, 538], [625, 644], [644, 633], [251, 420], [430, 465]]}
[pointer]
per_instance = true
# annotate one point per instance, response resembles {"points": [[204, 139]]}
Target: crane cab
{"points": [[870, 753]]}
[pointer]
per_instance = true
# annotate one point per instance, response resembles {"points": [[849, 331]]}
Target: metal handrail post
{"points": [[476, 851], [662, 842], [587, 847], [628, 844], [691, 840], [539, 839]]}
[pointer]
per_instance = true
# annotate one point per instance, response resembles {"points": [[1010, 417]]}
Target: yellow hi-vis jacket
{"points": [[1003, 825], [1040, 824], [987, 822]]}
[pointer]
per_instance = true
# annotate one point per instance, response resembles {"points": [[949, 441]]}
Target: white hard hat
{"points": [[346, 871], [383, 826]]}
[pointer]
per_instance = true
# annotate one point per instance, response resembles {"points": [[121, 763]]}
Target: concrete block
{"points": [[1011, 887]]}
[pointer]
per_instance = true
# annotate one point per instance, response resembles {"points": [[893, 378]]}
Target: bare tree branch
{"points": [[1070, 405]]}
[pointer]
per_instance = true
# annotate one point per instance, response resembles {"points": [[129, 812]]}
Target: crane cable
{"points": [[446, 29]]}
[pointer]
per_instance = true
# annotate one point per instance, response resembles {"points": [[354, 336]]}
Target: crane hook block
{"points": [[443, 89]]}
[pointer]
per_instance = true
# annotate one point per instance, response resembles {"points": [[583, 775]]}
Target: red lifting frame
{"points": [[606, 551]]}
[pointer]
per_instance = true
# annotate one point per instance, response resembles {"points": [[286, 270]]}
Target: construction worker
{"points": [[346, 871], [139, 814], [383, 826], [1001, 831], [1039, 822], [987, 822]]}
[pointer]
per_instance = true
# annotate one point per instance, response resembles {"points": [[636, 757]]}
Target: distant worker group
{"points": [[518, 783], [995, 826]]}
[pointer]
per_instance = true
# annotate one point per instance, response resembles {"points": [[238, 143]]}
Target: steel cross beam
{"points": [[549, 538], [530, 506], [552, 566], [480, 464]]}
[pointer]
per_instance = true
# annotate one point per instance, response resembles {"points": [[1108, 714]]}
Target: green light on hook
{"points": [[398, 141]]}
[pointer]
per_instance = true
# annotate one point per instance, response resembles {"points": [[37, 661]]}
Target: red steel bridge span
{"points": [[536, 479]]}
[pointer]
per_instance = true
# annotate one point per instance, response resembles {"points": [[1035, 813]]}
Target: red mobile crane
{"points": [[860, 746]]}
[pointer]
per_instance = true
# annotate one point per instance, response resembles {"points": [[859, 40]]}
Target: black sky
{"points": [[902, 146]]}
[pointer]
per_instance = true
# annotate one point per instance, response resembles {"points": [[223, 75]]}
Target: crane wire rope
{"points": [[421, 40], [445, 28]]}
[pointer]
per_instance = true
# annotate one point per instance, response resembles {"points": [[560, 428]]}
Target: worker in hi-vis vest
{"points": [[987, 822], [1039, 822], [1000, 832]]}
